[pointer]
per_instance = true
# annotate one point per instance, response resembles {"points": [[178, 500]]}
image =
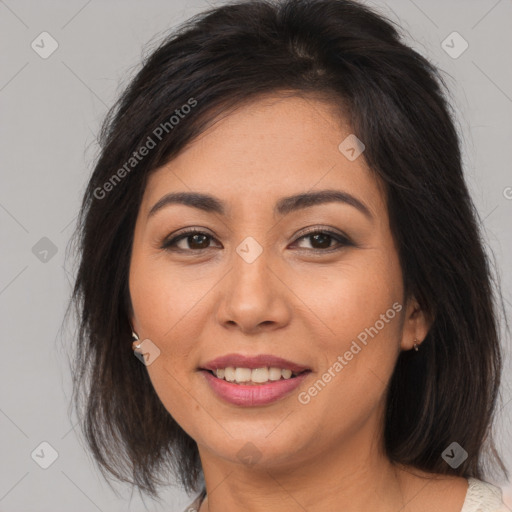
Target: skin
{"points": [[293, 301]]}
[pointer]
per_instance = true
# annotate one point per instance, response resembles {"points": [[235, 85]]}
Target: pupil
{"points": [[195, 237], [324, 238]]}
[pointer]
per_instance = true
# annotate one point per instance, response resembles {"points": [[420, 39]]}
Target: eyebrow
{"points": [[284, 206]]}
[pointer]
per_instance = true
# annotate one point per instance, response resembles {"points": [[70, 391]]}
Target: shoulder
{"points": [[429, 491], [482, 497]]}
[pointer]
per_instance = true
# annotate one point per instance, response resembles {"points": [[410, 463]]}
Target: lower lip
{"points": [[253, 395]]}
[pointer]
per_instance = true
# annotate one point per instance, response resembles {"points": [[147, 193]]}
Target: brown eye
{"points": [[192, 240], [197, 241], [322, 241]]}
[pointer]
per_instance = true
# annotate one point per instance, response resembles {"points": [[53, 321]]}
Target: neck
{"points": [[353, 477]]}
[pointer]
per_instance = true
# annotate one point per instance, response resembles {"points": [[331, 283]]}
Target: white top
{"points": [[480, 497], [483, 497]]}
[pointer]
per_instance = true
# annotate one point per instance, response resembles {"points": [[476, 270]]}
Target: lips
{"points": [[253, 396], [252, 362]]}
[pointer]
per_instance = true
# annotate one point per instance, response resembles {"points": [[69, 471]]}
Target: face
{"points": [[315, 283]]}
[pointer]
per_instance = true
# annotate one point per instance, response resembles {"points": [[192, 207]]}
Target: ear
{"points": [[134, 324], [416, 325]]}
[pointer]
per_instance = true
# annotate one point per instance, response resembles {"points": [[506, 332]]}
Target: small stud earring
{"points": [[416, 345], [135, 345]]}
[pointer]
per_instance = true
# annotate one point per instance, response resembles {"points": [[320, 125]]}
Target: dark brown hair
{"points": [[395, 102]]}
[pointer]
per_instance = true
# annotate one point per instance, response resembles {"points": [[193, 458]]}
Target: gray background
{"points": [[50, 114]]}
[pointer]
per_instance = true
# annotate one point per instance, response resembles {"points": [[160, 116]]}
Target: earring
{"points": [[135, 345], [416, 345]]}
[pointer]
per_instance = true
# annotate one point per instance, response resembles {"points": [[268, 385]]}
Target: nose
{"points": [[254, 297]]}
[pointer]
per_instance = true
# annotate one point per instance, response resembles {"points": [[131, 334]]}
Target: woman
{"points": [[279, 222]]}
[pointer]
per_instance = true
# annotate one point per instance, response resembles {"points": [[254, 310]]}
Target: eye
{"points": [[321, 240], [191, 240]]}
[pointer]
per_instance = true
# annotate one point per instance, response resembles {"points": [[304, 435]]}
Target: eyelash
{"points": [[169, 245]]}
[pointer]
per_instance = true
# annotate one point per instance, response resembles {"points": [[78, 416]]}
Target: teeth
{"points": [[242, 374], [274, 373], [286, 373], [229, 374], [256, 375]]}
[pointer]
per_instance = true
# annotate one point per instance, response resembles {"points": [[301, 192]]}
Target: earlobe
{"points": [[135, 343], [416, 326]]}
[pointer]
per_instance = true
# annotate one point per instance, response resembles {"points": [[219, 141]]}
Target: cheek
{"points": [[350, 298], [165, 298], [172, 308], [357, 336], [167, 311]]}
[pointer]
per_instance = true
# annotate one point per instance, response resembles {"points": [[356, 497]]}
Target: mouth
{"points": [[254, 376], [253, 370], [242, 391]]}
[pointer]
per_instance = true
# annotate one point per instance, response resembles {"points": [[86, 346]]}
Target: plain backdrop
{"points": [[51, 109]]}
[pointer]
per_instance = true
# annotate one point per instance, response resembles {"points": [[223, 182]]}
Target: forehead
{"points": [[265, 149]]}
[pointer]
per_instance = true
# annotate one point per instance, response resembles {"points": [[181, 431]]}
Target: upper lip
{"points": [[257, 361]]}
